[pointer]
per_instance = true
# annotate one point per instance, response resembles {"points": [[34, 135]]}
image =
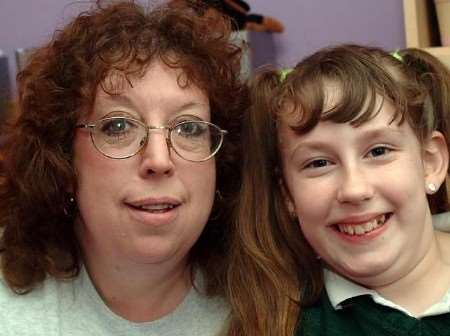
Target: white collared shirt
{"points": [[340, 289]]}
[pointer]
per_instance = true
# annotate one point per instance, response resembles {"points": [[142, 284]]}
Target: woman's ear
{"points": [[435, 161]]}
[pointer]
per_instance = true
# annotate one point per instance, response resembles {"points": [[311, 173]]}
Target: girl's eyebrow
{"points": [[308, 145], [380, 133], [369, 135]]}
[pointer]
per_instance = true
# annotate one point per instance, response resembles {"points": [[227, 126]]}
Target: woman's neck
{"points": [[140, 293], [427, 282]]}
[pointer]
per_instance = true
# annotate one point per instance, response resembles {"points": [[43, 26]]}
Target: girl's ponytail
{"points": [[434, 77]]}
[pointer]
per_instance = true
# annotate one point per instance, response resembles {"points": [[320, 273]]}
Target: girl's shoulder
{"points": [[441, 221], [443, 240]]}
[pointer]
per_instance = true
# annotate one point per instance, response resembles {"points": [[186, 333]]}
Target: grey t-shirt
{"points": [[74, 308]]}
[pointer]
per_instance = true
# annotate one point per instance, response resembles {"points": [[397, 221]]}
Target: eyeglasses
{"points": [[122, 137]]}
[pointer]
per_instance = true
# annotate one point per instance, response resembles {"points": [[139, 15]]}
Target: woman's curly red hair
{"points": [[59, 84]]}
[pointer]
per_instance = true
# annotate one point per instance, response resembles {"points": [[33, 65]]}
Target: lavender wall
{"points": [[313, 24], [310, 24], [28, 23]]}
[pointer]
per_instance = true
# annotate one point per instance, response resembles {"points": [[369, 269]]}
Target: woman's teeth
{"points": [[157, 207], [363, 228]]}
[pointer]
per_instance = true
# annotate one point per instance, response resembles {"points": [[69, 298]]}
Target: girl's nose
{"points": [[355, 186]]}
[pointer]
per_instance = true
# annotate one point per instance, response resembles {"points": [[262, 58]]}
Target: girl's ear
{"points": [[287, 198], [435, 160]]}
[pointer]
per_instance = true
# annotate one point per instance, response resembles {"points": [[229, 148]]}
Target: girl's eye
{"points": [[379, 151], [319, 163]]}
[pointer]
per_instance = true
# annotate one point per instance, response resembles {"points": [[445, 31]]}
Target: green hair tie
{"points": [[396, 54], [284, 73]]}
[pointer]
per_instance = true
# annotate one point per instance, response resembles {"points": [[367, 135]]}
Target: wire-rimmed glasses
{"points": [[121, 137]]}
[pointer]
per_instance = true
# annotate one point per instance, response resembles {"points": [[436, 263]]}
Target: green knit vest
{"points": [[361, 316]]}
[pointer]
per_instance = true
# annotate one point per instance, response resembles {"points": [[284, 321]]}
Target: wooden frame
{"points": [[421, 28]]}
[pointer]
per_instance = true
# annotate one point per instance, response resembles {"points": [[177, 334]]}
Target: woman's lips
{"points": [[154, 212]]}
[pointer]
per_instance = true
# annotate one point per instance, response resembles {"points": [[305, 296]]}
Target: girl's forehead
{"points": [[384, 116], [332, 100], [296, 105]]}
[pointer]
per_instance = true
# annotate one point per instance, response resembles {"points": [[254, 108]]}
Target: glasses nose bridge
{"points": [[151, 128], [154, 129]]}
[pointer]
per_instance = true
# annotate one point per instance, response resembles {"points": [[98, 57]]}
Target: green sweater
{"points": [[361, 316]]}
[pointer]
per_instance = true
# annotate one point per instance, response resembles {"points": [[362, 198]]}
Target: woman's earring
{"points": [[431, 188], [293, 215], [70, 206], [215, 214], [219, 196]]}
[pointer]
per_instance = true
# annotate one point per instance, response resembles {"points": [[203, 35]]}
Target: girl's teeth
{"points": [[362, 228], [359, 230], [381, 220]]}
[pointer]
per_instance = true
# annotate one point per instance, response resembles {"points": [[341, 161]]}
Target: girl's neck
{"points": [[429, 280], [140, 293]]}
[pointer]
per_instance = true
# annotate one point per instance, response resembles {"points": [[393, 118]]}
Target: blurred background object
{"points": [[443, 16], [5, 96], [245, 24], [243, 18], [22, 56], [5, 86], [309, 25]]}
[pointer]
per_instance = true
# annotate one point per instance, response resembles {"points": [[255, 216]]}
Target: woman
{"points": [[110, 177]]}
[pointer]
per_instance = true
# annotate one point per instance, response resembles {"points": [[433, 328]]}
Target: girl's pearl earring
{"points": [[431, 188]]}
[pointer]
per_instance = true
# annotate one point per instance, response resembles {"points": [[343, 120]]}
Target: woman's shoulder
{"points": [[41, 292], [32, 313]]}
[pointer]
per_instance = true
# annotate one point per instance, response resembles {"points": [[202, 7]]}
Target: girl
{"points": [[348, 161]]}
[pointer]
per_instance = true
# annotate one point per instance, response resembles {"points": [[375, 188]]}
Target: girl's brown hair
{"points": [[59, 85], [270, 255]]}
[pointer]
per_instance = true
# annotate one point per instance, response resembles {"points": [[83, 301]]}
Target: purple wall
{"points": [[26, 24], [310, 24], [313, 24]]}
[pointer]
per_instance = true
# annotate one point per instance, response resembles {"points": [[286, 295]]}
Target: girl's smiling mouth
{"points": [[353, 228]]}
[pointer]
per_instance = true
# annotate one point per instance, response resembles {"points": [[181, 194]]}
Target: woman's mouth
{"points": [[155, 212], [156, 208], [359, 229]]}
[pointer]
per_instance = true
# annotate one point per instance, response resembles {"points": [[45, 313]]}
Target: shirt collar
{"points": [[340, 289]]}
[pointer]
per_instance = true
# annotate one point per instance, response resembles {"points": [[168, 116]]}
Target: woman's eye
{"points": [[379, 151], [191, 129], [319, 163], [115, 127]]}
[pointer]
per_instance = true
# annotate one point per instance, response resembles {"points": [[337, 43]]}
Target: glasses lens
{"points": [[196, 140], [119, 137]]}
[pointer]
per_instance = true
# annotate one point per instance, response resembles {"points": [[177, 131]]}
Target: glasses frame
{"points": [[91, 127]]}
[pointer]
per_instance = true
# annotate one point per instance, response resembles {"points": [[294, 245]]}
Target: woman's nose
{"points": [[156, 155]]}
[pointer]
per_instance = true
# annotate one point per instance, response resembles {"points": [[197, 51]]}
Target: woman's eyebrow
{"points": [[123, 100], [191, 105]]}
